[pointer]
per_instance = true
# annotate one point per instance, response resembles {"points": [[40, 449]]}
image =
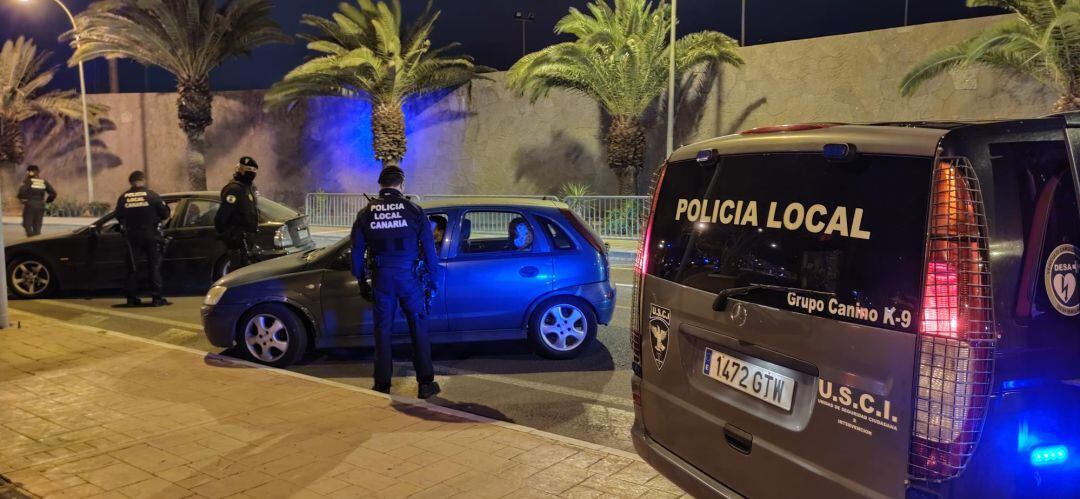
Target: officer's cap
{"points": [[391, 175], [32, 168], [249, 162], [136, 176]]}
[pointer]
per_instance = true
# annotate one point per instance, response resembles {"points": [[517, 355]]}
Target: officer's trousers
{"points": [[238, 249], [32, 215], [149, 244], [394, 287]]}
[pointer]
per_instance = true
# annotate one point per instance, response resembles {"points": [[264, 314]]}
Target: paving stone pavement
{"points": [[91, 413]]}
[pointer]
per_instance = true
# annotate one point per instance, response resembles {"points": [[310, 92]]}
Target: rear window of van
{"points": [[848, 238]]}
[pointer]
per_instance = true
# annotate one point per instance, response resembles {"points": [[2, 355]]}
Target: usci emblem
{"points": [[659, 327], [1061, 277], [230, 199]]}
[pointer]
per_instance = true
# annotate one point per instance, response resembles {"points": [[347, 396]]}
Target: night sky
{"points": [[486, 29]]}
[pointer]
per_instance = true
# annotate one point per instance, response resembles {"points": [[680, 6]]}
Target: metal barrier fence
{"points": [[612, 217]]}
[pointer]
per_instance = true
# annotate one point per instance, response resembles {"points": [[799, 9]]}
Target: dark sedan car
{"points": [[94, 257], [551, 288]]}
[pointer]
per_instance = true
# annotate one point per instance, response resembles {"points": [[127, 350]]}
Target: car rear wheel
{"points": [[272, 334], [220, 268], [31, 278], [562, 328]]}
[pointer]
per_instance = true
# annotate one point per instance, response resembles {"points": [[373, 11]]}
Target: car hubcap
{"points": [[30, 278], [266, 337], [563, 327]]}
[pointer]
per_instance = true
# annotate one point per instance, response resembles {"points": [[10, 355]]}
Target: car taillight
{"points": [[640, 268], [956, 330]]}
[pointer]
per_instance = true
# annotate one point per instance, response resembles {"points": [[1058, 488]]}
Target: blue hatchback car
{"points": [[551, 287]]}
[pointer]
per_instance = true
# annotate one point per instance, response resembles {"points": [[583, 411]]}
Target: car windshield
{"points": [[272, 211]]}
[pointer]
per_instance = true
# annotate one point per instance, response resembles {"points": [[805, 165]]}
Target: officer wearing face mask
{"points": [[397, 237], [35, 192], [237, 219]]}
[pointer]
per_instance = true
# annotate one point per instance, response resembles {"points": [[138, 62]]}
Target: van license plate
{"points": [[751, 379]]}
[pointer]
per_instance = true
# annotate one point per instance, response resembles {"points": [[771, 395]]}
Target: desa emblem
{"points": [[659, 326], [1061, 278]]}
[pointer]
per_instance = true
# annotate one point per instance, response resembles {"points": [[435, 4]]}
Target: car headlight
{"points": [[214, 295]]}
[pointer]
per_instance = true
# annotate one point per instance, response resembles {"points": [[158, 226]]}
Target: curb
{"points": [[395, 398]]}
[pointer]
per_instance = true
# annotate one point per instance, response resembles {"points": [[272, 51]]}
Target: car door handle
{"points": [[529, 271]]}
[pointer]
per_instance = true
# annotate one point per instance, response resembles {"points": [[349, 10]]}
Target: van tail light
{"points": [[640, 267], [956, 329]]}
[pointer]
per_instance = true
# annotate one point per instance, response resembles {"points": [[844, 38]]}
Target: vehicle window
{"points": [[272, 211], [199, 213], [438, 228], [495, 231], [172, 204], [1048, 204], [558, 237], [110, 225], [799, 221]]}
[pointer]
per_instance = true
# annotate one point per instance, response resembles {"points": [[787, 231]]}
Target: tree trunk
{"points": [[626, 151], [11, 154], [195, 112], [9, 187], [1068, 102], [388, 133]]}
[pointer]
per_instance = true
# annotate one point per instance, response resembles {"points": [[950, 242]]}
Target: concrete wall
{"points": [[484, 139]]}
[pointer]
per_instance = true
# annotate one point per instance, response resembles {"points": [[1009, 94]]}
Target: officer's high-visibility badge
{"points": [[230, 199]]}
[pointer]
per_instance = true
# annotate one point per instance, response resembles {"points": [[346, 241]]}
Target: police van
{"points": [[889, 310]]}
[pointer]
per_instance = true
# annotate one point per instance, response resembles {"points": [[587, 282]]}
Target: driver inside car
{"points": [[521, 235]]}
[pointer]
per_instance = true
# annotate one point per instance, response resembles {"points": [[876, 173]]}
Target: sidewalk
{"points": [[89, 413]]}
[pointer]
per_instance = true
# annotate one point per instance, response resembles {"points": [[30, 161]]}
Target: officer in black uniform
{"points": [[34, 193], [140, 212], [397, 237], [237, 219]]}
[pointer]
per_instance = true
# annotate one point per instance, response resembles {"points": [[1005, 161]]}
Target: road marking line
{"points": [[624, 285], [533, 385], [396, 398], [117, 313]]}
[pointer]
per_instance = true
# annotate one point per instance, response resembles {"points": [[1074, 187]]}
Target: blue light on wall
{"points": [[1049, 455]]}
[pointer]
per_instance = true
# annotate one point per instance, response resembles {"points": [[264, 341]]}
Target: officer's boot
{"points": [[428, 390], [134, 302], [160, 302], [381, 387]]}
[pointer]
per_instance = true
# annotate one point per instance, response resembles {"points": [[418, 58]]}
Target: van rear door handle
{"points": [[739, 440], [529, 271]]}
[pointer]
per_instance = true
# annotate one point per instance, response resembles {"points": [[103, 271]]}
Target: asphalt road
{"points": [[586, 398]]}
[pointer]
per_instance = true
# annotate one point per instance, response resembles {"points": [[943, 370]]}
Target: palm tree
{"points": [[1042, 41], [364, 53], [620, 59], [187, 38], [23, 76]]}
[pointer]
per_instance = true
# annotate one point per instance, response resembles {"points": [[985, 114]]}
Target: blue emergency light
{"points": [[839, 152], [1049, 455]]}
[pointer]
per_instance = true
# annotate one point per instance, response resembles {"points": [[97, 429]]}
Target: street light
{"points": [[671, 84], [85, 114], [524, 18]]}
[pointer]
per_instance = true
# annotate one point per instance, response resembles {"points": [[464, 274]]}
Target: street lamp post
{"points": [[671, 84], [524, 18], [85, 114]]}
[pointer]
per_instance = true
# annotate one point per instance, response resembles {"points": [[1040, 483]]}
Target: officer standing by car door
{"points": [[34, 193], [140, 212], [237, 220], [397, 237]]}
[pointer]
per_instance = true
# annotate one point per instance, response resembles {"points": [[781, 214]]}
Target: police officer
{"points": [[34, 193], [398, 240], [140, 212], [237, 219]]}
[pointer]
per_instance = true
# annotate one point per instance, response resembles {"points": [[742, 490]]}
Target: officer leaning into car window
{"points": [[35, 192], [140, 212], [398, 240], [237, 219]]}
